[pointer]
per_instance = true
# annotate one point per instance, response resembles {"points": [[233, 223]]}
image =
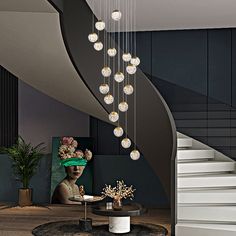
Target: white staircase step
{"points": [[184, 142], [207, 181], [208, 167], [207, 213], [194, 154], [208, 196], [191, 229]]}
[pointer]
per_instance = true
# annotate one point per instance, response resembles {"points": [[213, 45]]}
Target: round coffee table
{"points": [[119, 220]]}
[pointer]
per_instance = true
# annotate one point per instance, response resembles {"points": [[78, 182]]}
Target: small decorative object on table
{"points": [[81, 190], [118, 193]]}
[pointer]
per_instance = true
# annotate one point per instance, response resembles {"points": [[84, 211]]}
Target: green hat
{"points": [[74, 161]]}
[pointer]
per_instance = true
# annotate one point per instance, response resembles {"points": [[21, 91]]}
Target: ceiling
{"points": [[175, 14], [26, 6], [32, 48]]}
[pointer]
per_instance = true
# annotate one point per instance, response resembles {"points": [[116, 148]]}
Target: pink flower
{"points": [[79, 154], [74, 144], [88, 155], [65, 141], [70, 140]]}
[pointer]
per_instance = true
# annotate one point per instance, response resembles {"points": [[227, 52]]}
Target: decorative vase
{"points": [[25, 197], [117, 204]]}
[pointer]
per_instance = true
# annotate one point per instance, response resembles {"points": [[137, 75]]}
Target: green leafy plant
{"points": [[25, 159]]}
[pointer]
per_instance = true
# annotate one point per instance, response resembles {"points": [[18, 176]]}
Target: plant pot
{"points": [[117, 204], [25, 197]]}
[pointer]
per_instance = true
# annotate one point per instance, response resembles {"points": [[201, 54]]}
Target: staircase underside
{"points": [[32, 48]]}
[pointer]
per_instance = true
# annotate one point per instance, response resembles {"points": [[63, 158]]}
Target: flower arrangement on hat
{"points": [[70, 156]]}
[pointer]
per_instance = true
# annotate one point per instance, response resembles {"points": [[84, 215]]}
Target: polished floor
{"points": [[17, 221]]}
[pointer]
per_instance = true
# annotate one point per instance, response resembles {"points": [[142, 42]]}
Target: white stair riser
{"points": [[184, 142], [206, 181], [206, 192], [192, 231], [208, 197], [184, 168], [208, 214], [194, 154]]}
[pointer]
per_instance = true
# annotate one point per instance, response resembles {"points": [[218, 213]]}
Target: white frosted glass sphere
{"points": [[131, 69], [135, 61], [126, 143], [104, 88], [98, 46], [135, 155], [126, 57], [93, 37], [118, 131], [100, 25], [106, 71], [128, 89], [108, 99], [119, 77], [116, 15], [113, 116], [123, 106], [111, 52]]}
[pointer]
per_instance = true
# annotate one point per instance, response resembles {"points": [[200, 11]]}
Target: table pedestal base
{"points": [[119, 225], [85, 225]]}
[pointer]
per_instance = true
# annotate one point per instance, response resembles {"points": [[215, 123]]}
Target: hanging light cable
{"points": [[135, 155]]}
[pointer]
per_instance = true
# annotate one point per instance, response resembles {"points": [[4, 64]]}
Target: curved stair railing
{"points": [[156, 133]]}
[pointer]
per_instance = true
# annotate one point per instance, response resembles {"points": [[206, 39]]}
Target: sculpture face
{"points": [[74, 172]]}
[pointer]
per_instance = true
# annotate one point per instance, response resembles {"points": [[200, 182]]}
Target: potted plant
{"points": [[118, 193], [25, 159]]}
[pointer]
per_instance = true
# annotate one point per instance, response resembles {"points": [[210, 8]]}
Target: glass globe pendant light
{"points": [[113, 116], [118, 131], [135, 61], [108, 99], [100, 25], [128, 89], [123, 106], [135, 155], [126, 57], [93, 37], [98, 46], [116, 15], [131, 69], [106, 71], [104, 88], [119, 77], [126, 143], [111, 52]]}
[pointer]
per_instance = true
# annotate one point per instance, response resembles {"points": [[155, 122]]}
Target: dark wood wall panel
{"points": [[180, 57], [219, 65], [234, 67], [8, 108]]}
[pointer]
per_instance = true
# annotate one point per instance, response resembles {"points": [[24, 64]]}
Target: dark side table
{"points": [[85, 223], [119, 220]]}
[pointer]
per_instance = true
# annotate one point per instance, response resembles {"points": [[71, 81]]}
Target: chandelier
{"points": [[120, 66]]}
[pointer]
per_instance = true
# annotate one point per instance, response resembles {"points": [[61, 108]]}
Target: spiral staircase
{"points": [[204, 181]]}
